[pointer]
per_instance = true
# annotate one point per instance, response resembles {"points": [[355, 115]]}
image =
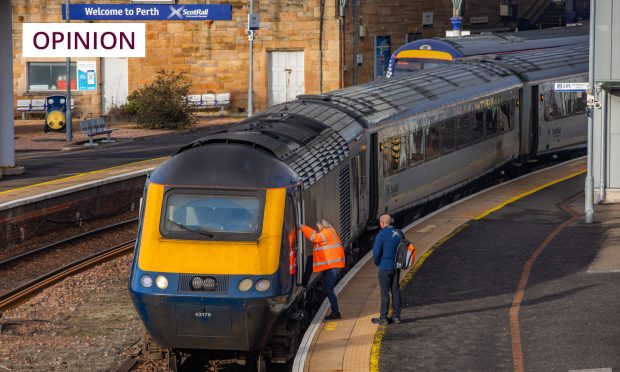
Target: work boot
{"points": [[333, 316], [381, 321]]}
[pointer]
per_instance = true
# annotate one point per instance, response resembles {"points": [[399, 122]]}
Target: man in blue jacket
{"points": [[384, 254]]}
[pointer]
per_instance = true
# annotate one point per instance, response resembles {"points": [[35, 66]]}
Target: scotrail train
{"points": [[428, 53], [214, 270]]}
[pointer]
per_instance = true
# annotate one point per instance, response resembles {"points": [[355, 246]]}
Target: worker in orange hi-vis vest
{"points": [[327, 257]]}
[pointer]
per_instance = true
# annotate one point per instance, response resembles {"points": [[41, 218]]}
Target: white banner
{"points": [[84, 40]]}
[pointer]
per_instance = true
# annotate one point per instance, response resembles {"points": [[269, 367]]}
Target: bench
{"points": [[94, 127], [208, 101], [35, 106]]}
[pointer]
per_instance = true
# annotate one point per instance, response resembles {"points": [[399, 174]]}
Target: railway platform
{"points": [[508, 279]]}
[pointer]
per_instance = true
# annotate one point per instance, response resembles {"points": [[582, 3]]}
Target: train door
{"points": [[359, 202], [534, 121]]}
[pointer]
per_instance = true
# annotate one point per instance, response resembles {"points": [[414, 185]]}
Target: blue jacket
{"points": [[384, 249]]}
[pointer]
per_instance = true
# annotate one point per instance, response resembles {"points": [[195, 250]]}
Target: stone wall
{"points": [[215, 54]]}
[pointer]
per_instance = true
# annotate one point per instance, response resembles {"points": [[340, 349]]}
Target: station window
{"points": [[431, 140], [49, 76], [416, 147], [446, 129], [490, 121]]}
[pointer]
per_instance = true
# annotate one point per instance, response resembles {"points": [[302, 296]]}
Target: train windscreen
{"points": [[199, 215], [408, 65]]}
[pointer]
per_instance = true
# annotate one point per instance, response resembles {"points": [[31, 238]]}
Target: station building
{"points": [[302, 47]]}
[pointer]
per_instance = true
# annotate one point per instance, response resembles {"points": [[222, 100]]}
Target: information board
{"points": [[87, 75]]}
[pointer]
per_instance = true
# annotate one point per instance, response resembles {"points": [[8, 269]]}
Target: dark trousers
{"points": [[330, 278], [389, 281]]}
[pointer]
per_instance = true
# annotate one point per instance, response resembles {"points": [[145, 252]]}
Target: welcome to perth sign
{"points": [[84, 40]]}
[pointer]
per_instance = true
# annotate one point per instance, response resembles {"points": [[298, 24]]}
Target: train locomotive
{"points": [[219, 264]]}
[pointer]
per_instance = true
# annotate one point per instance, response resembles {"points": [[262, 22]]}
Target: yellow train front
{"points": [[212, 265]]}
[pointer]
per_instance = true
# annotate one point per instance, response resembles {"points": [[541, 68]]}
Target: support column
{"points": [[7, 131]]}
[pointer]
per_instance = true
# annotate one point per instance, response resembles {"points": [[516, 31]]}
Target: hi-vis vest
{"points": [[328, 252]]}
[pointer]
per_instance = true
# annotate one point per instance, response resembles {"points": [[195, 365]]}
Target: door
{"points": [[286, 76], [115, 87]]}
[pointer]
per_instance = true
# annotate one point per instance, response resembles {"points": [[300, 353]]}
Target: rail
{"points": [[19, 295]]}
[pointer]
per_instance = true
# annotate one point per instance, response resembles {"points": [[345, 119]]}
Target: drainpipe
{"points": [[322, 2], [603, 165], [589, 186], [342, 4]]}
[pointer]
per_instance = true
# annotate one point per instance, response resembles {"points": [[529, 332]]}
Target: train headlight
{"points": [[196, 283], [146, 281], [161, 282], [209, 284], [262, 285], [245, 285]]}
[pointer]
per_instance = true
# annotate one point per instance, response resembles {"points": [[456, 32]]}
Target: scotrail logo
{"points": [[176, 12]]}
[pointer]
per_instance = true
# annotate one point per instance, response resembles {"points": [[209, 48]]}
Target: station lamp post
{"points": [[68, 120], [253, 25]]}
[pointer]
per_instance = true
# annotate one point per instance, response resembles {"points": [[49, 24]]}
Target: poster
{"points": [[87, 75]]}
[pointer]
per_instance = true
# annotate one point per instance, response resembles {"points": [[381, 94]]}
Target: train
{"points": [[428, 53], [220, 267]]}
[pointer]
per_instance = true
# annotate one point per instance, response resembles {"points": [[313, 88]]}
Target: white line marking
{"points": [[70, 189], [591, 370]]}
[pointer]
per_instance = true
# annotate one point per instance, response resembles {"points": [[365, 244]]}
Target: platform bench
{"points": [[94, 127], [209, 101], [35, 106]]}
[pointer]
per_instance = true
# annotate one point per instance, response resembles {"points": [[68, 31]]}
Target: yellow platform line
{"points": [[376, 344], [520, 196], [78, 175]]}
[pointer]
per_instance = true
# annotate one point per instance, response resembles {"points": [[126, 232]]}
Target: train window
{"points": [[416, 147], [448, 136], [558, 105], [193, 214], [395, 154], [431, 141], [579, 103], [504, 117], [463, 129], [490, 121], [477, 129]]}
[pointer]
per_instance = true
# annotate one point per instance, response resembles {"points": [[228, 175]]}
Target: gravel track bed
{"points": [[29, 268], [66, 229], [83, 323]]}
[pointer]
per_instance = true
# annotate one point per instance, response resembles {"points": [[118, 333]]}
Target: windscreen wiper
{"points": [[199, 231]]}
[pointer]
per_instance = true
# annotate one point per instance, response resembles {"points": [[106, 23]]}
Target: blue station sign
{"points": [[146, 12]]}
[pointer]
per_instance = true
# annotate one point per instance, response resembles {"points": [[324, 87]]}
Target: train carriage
{"points": [[219, 263], [429, 53]]}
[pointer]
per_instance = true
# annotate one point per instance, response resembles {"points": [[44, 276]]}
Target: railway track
{"points": [[22, 293], [30, 272]]}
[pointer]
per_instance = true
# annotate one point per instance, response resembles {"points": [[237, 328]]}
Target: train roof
{"points": [[387, 99], [312, 134], [486, 43]]}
